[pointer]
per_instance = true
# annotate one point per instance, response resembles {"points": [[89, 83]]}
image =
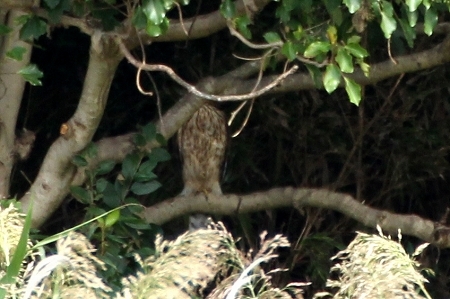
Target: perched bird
{"points": [[202, 142]]}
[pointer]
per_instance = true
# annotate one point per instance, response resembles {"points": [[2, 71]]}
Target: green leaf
{"points": [[101, 185], [430, 20], [289, 51], [33, 28], [155, 11], [139, 19], [149, 132], [62, 234], [145, 188], [345, 61], [145, 172], [90, 150], [317, 48], [388, 24], [110, 196], [334, 10], [139, 139], [412, 16], [16, 53], [228, 9], [364, 67], [112, 218], [105, 167], [4, 29], [52, 3], [157, 30], [356, 50], [161, 140], [332, 78], [352, 5], [413, 4], [32, 74], [159, 155], [130, 165], [272, 37], [316, 74], [408, 32], [242, 26], [81, 194], [55, 13], [19, 254], [353, 90], [79, 161]]}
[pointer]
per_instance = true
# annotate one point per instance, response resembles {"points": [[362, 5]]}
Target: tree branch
{"points": [[233, 204], [433, 57], [56, 173]]}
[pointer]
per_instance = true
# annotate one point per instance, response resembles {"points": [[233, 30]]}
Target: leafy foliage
{"points": [[136, 178]]}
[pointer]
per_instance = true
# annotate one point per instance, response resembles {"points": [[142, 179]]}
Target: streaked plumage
{"points": [[202, 142]]}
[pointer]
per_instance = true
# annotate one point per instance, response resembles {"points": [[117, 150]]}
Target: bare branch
{"points": [[195, 91], [233, 204], [249, 44]]}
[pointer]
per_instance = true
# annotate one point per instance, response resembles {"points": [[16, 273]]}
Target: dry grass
{"points": [[374, 266]]}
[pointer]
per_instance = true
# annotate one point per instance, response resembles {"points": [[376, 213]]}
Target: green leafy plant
{"points": [[122, 232]]}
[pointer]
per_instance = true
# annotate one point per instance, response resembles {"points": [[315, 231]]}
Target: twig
{"points": [[192, 89], [248, 43]]}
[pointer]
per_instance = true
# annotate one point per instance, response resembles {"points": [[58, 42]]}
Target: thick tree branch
{"points": [[56, 173], [232, 204], [12, 86]]}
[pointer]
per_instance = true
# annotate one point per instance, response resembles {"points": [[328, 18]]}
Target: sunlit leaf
{"points": [[352, 5], [344, 60], [364, 67], [353, 91], [332, 78], [32, 74], [317, 48], [154, 10], [153, 30], [388, 24], [412, 17], [356, 50], [413, 4], [430, 20], [16, 53]]}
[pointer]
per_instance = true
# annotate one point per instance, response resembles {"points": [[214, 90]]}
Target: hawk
{"points": [[202, 142]]}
